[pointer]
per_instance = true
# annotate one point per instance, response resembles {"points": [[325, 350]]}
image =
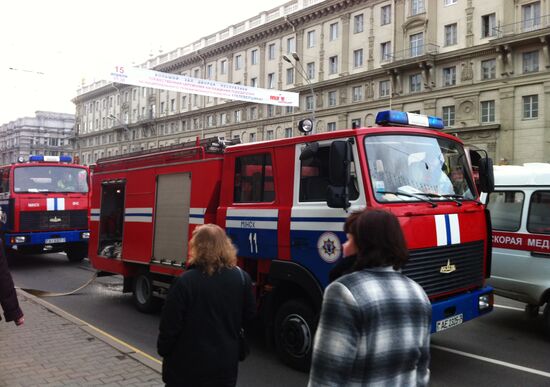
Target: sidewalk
{"points": [[54, 348]]}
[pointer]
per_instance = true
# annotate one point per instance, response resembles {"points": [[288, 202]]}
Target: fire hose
{"points": [[44, 293]]}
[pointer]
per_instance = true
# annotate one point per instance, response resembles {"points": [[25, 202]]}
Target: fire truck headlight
{"points": [[485, 302], [85, 235], [19, 239]]}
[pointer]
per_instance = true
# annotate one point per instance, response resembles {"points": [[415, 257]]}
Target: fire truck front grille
{"points": [[433, 268], [53, 220]]}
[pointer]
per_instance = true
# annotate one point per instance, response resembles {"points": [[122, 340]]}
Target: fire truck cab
{"points": [[44, 205], [284, 203]]}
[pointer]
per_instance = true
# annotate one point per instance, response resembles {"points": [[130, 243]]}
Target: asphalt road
{"points": [[504, 348]]}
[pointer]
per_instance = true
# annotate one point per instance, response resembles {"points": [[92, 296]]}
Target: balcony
{"points": [[413, 52], [521, 27]]}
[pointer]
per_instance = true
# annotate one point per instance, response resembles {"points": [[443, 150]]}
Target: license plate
{"points": [[450, 322], [56, 240]]}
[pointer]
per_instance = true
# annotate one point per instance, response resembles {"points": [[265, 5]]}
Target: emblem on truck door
{"points": [[448, 268], [55, 219]]}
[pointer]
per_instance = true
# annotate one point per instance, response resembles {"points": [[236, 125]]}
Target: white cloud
{"points": [[49, 46]]}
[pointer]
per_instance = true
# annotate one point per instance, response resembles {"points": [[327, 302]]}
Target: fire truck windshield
{"points": [[50, 179], [413, 168]]}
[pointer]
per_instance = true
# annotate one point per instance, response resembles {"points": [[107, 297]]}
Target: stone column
{"points": [[505, 107], [546, 107], [344, 70]]}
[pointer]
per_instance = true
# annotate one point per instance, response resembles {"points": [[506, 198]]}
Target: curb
{"points": [[119, 345]]}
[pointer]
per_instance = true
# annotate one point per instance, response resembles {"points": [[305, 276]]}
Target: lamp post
{"points": [[125, 127], [304, 76]]}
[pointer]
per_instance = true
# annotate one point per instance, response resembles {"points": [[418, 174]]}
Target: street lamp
{"points": [[304, 76], [124, 126]]}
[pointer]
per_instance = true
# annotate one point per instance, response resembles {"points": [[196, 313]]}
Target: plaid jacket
{"points": [[374, 331]]}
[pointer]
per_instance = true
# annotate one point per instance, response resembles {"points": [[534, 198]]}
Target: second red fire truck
{"points": [[44, 205], [284, 203]]}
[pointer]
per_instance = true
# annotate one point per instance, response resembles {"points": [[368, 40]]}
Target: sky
{"points": [[48, 47]]}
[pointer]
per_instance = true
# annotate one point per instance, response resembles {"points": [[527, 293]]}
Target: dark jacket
{"points": [[199, 327], [8, 297]]}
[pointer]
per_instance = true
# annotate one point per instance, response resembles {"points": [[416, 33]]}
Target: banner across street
{"points": [[185, 84]]}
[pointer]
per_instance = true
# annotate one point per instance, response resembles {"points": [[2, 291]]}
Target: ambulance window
{"points": [[314, 177], [5, 180], [505, 208], [539, 213], [254, 179]]}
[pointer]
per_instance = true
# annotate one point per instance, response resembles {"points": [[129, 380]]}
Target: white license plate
{"points": [[450, 322], [56, 240]]}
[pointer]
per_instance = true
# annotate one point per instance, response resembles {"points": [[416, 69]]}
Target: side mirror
{"points": [[309, 150], [339, 174], [482, 165]]}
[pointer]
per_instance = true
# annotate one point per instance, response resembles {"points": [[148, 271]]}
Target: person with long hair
{"points": [[204, 312], [375, 322]]}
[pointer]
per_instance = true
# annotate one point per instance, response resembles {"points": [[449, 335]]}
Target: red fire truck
{"points": [[284, 203], [44, 205]]}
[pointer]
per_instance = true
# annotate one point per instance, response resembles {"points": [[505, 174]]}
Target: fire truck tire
{"points": [[77, 253], [144, 300], [532, 311], [295, 325], [546, 318]]}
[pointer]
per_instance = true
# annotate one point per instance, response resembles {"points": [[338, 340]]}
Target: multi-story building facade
{"points": [[482, 66], [47, 133]]}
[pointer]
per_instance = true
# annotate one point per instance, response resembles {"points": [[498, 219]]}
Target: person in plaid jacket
{"points": [[374, 328]]}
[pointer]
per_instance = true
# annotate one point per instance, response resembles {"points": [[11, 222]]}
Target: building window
{"points": [[530, 62], [270, 80], [183, 102], [210, 121], [357, 93], [416, 44], [237, 116], [358, 24], [488, 24], [290, 45], [487, 111], [310, 39], [384, 88], [449, 2], [385, 49], [209, 71], [356, 123], [289, 76], [417, 7], [530, 106], [223, 67], [415, 83], [271, 51], [270, 110], [488, 69], [238, 62], [254, 57], [449, 76], [309, 102], [450, 34], [254, 82], [252, 137], [358, 58], [385, 15], [288, 132], [531, 16], [331, 126], [332, 98], [196, 74], [269, 135], [253, 113], [289, 109], [448, 115], [333, 31], [223, 120], [310, 70], [134, 96], [333, 65]]}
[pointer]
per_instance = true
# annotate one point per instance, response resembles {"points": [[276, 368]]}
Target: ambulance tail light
{"points": [[394, 117]]}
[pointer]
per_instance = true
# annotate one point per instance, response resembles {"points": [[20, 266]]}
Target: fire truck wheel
{"points": [[76, 253], [143, 296], [294, 331], [532, 310], [547, 318]]}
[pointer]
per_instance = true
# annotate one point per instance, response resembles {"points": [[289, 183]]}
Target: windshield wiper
{"points": [[410, 195], [452, 197]]}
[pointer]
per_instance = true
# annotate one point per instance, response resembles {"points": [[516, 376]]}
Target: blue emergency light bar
{"points": [[394, 117], [55, 159]]}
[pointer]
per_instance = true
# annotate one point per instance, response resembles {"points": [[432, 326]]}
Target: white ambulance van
{"points": [[520, 215]]}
